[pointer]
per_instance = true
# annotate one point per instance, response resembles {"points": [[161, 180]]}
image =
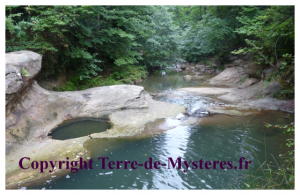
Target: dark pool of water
{"points": [[214, 138], [79, 128]]}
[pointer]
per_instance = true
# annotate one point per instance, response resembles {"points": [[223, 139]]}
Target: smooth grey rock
{"points": [[200, 68], [16, 84], [243, 94], [248, 82], [251, 69], [31, 61], [237, 62], [230, 76], [271, 88], [13, 80]]}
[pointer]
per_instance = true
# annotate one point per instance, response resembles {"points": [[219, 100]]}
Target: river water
{"points": [[212, 138]]}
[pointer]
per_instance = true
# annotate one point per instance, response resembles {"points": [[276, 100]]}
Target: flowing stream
{"points": [[213, 138]]}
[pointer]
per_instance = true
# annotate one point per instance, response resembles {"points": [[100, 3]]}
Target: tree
{"points": [[269, 34]]}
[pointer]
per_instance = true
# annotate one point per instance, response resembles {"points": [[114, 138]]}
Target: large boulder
{"points": [[252, 69], [271, 88], [21, 68], [230, 76], [189, 69], [238, 62], [200, 68]]}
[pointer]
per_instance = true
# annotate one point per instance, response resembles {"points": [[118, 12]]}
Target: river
{"points": [[212, 138]]}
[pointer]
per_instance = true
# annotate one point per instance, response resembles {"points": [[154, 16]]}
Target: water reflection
{"points": [[173, 80], [227, 140]]}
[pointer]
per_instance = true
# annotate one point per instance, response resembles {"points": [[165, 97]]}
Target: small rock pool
{"points": [[79, 128]]}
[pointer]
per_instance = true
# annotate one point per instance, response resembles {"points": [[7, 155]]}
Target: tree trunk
{"points": [[218, 8], [200, 13]]}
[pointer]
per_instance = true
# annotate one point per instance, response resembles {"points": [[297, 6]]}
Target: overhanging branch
{"points": [[266, 58]]}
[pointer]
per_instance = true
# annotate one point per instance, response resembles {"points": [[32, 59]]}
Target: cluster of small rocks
{"points": [[196, 69]]}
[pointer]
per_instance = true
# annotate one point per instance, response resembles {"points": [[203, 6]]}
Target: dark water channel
{"points": [[213, 138]]}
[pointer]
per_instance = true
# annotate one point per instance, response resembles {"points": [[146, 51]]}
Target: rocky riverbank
{"points": [[246, 85], [33, 112]]}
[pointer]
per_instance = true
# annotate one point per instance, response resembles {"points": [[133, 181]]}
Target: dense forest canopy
{"points": [[126, 42]]}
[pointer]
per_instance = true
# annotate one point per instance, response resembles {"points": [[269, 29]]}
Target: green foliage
{"points": [[89, 38], [160, 46], [271, 176], [244, 79], [68, 87], [206, 37], [258, 73], [259, 96], [121, 75], [25, 72], [205, 30], [269, 34], [284, 94]]}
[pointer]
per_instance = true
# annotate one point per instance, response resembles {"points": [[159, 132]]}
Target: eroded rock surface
{"points": [[17, 83], [39, 111]]}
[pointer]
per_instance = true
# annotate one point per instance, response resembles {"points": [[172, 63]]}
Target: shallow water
{"points": [[212, 138], [172, 80], [79, 128]]}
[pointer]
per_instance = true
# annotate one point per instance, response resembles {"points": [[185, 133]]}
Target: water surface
{"points": [[79, 128], [212, 138]]}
